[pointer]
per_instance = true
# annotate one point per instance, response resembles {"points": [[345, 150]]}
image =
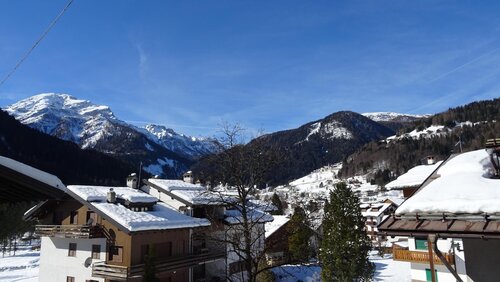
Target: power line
{"points": [[25, 56]]}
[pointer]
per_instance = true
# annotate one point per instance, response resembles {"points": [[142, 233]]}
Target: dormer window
{"points": [[139, 207]]}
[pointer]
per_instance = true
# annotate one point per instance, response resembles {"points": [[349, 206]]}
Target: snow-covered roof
{"points": [[374, 210], [98, 194], [413, 177], [233, 216], [272, 226], [464, 186], [161, 217], [192, 193], [32, 172]]}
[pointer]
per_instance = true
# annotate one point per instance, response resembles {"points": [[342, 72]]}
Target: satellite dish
{"points": [[88, 262]]}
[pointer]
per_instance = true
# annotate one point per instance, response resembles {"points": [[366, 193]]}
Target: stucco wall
{"points": [[56, 265]]}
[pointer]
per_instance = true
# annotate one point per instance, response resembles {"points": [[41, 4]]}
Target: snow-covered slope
{"points": [[187, 145], [391, 116], [95, 126], [85, 123]]}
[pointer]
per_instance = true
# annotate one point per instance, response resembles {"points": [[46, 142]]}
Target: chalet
{"points": [[453, 221], [410, 181], [276, 240], [101, 233], [276, 243], [225, 217]]}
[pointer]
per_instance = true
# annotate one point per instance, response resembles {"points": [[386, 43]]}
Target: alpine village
{"points": [[90, 195]]}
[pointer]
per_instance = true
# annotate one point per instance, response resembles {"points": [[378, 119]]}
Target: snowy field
{"points": [[21, 267], [387, 270], [24, 267]]}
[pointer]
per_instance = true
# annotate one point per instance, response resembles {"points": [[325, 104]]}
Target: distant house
{"points": [[277, 240], [277, 235], [374, 214], [410, 181], [225, 217], [453, 221]]}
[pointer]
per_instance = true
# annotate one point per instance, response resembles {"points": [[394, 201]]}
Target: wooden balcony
{"points": [[122, 273], [419, 256], [70, 231]]}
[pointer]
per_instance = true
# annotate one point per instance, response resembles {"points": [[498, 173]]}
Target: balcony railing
{"points": [[122, 273], [70, 231], [419, 256]]}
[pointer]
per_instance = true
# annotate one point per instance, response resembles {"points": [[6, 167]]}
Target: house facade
{"points": [[374, 214], [226, 221], [108, 233]]}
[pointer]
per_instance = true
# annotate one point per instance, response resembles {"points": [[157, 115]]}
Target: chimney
{"points": [[188, 177], [132, 181], [430, 160], [111, 196]]}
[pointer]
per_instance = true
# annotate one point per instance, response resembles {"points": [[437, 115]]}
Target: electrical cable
{"points": [[47, 30]]}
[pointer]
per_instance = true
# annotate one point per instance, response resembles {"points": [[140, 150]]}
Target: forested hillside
{"points": [[61, 158], [471, 124]]}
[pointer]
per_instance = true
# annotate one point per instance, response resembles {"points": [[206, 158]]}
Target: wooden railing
{"points": [[109, 271], [69, 231], [418, 256], [115, 272]]}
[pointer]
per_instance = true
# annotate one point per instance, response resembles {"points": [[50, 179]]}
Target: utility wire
{"points": [[26, 55]]}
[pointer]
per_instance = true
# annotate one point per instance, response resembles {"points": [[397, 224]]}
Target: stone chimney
{"points": [[132, 181], [188, 177], [111, 196], [430, 160]]}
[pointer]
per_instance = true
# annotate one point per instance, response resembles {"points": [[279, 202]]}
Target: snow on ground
{"points": [[21, 267], [293, 273], [386, 270]]}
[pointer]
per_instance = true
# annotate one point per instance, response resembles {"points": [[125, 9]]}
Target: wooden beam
{"points": [[430, 239]]}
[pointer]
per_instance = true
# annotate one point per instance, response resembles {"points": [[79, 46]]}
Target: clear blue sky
{"points": [[266, 64]]}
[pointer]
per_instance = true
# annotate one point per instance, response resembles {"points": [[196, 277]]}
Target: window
{"points": [[115, 254], [91, 218], [73, 219], [421, 244], [70, 279], [236, 267], [96, 251], [72, 250], [428, 276]]}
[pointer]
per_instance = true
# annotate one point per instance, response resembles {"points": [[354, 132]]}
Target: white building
{"points": [[225, 216], [374, 214]]}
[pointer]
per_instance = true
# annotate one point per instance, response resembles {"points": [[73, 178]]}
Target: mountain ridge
{"points": [[95, 126]]}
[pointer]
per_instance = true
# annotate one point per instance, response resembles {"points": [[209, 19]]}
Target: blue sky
{"points": [[268, 65]]}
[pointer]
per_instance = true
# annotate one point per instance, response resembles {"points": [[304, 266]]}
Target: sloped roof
{"points": [[161, 217], [192, 194], [464, 185], [20, 182], [413, 177], [277, 223]]}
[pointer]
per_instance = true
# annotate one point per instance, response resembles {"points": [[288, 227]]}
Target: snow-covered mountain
{"points": [[96, 127], [393, 117], [194, 147]]}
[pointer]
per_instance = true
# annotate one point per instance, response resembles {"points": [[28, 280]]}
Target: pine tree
{"points": [[299, 232], [149, 266], [276, 201], [345, 245]]}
